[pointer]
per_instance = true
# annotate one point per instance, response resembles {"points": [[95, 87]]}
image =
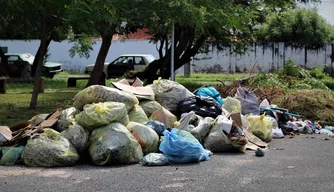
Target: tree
{"points": [[102, 18], [227, 23], [296, 26], [45, 18]]}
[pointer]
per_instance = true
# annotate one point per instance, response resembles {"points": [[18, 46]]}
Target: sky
{"points": [[325, 9]]}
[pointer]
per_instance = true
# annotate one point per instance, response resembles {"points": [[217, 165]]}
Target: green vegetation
{"points": [[299, 26]]}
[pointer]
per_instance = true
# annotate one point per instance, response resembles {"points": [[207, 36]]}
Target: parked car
{"points": [[123, 64], [21, 64]]}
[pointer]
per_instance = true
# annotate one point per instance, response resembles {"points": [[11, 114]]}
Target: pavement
{"points": [[299, 164]]}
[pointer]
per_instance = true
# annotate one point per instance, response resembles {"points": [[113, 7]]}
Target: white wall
{"points": [[267, 58]]}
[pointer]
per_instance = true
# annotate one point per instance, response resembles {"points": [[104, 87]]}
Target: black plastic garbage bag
{"points": [[201, 105]]}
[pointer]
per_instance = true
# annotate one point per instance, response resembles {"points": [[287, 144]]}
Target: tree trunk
{"points": [[99, 64], [42, 47], [5, 70], [34, 66]]}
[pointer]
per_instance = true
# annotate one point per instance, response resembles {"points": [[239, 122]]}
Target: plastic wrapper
{"points": [[169, 93], [180, 146], [149, 107], [10, 155], [189, 121], [232, 105], [261, 126], [137, 114], [49, 149], [157, 126], [66, 118], [98, 114], [211, 92], [146, 137], [202, 106], [248, 101], [99, 93], [77, 135], [218, 141], [154, 159], [114, 144], [201, 131]]}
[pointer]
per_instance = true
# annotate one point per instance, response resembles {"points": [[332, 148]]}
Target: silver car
{"points": [[123, 64]]}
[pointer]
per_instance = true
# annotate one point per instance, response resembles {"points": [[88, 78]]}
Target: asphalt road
{"points": [[303, 163]]}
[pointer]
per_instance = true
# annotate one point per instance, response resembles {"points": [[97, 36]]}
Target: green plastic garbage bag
{"points": [[232, 105], [99, 114], [154, 159], [10, 155], [114, 144], [146, 136], [77, 135], [99, 93], [49, 149], [137, 114], [261, 126], [149, 107]]}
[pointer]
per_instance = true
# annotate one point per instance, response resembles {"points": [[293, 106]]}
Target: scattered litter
{"points": [[163, 121]]}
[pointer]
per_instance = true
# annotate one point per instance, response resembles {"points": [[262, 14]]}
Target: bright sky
{"points": [[325, 9]]}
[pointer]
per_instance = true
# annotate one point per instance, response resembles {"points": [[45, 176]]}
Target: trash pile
{"points": [[157, 124]]}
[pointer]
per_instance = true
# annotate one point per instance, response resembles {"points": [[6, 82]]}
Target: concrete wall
{"points": [[262, 58]]}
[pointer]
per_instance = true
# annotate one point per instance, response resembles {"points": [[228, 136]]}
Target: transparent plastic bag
{"points": [[114, 144], [146, 137], [49, 149], [154, 159], [99, 93], [137, 114], [99, 114], [261, 126]]}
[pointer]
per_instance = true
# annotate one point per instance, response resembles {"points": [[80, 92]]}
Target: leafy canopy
{"points": [[301, 25]]}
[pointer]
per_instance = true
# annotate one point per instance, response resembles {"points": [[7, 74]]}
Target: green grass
{"points": [[15, 106], [15, 103]]}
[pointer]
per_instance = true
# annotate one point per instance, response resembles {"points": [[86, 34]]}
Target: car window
{"points": [[139, 61], [13, 58], [150, 58]]}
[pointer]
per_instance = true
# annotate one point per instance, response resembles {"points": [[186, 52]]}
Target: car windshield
{"points": [[28, 57], [150, 58]]}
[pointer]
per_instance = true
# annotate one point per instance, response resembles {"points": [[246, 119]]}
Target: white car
{"points": [[123, 64]]}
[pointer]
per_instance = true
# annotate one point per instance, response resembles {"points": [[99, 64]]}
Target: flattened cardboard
{"points": [[236, 117], [136, 88], [51, 119], [6, 132], [164, 116]]}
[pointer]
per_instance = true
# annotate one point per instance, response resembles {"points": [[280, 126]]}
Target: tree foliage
{"points": [[30, 18], [224, 22], [296, 26], [102, 18]]}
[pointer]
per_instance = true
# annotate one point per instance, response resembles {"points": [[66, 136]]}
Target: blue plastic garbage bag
{"points": [[181, 146], [211, 92]]}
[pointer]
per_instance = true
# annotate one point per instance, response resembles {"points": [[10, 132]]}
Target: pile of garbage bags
{"points": [[116, 126]]}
